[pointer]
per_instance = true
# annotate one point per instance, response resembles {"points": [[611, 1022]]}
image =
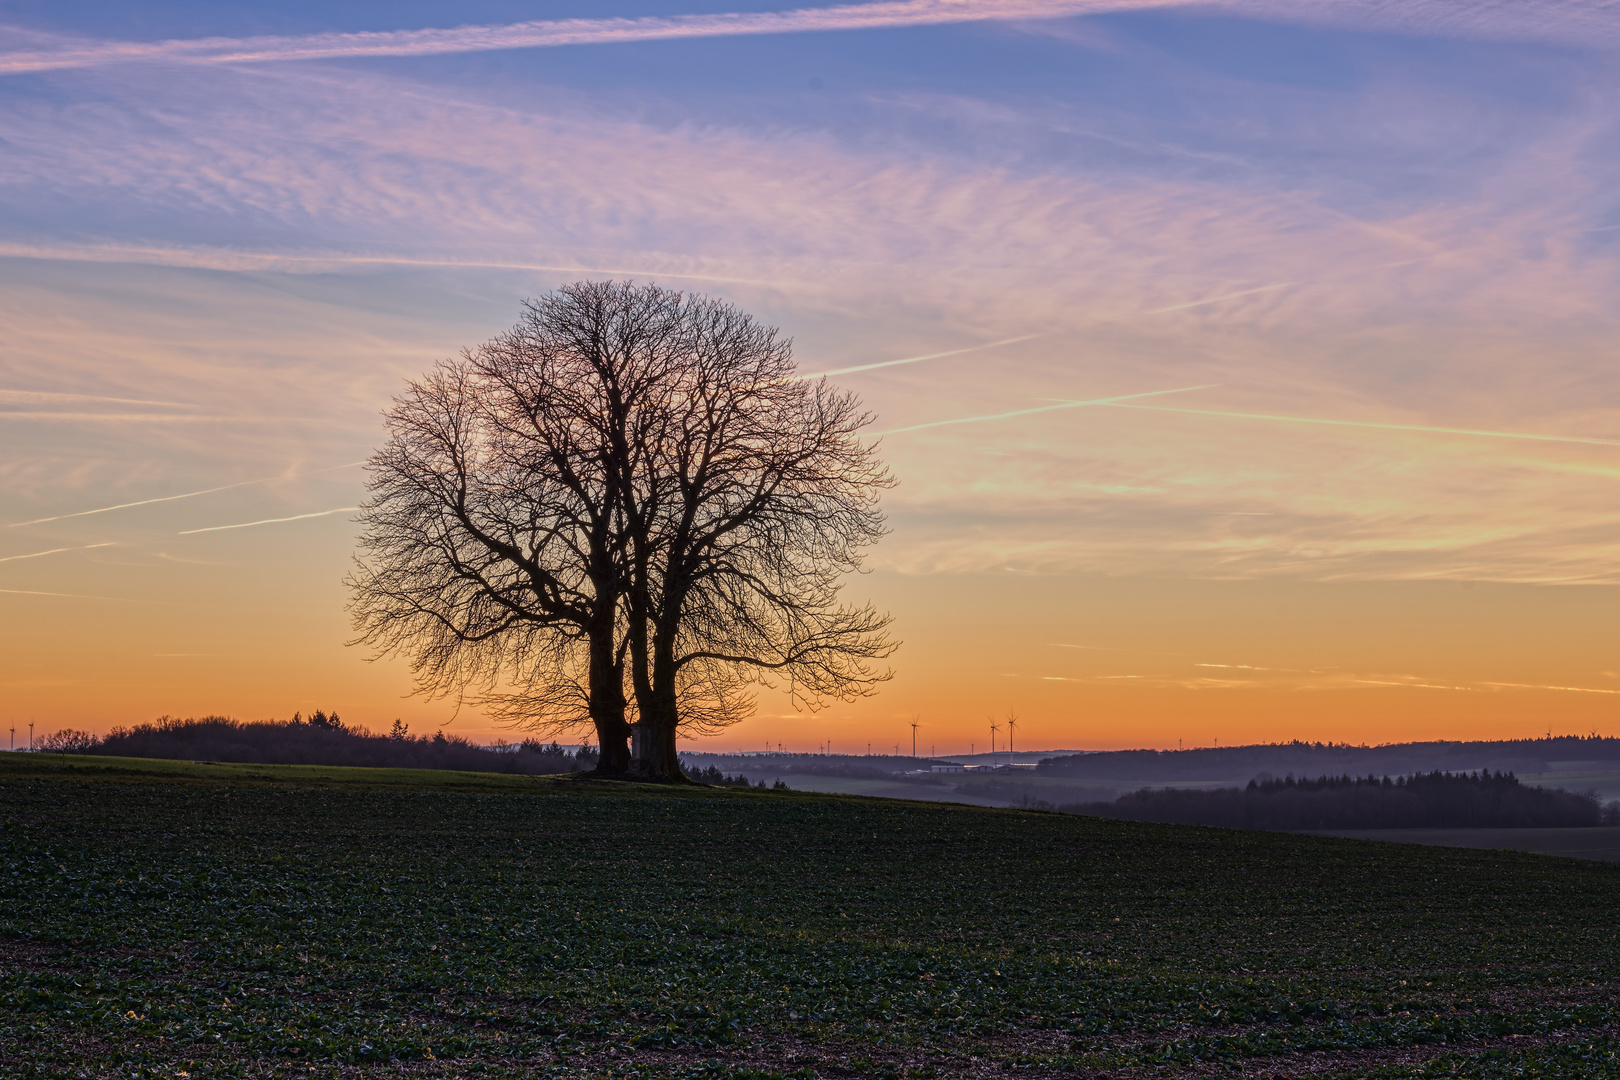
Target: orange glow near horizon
{"points": [[1083, 663], [1113, 578]]}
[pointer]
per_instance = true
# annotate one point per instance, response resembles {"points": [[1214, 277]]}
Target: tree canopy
{"points": [[628, 511]]}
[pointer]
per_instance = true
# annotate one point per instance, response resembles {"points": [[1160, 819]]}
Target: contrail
{"points": [[917, 359], [78, 596], [1539, 686], [1491, 21], [1417, 685], [187, 495], [54, 551], [269, 521], [1218, 299], [1115, 648], [49, 395], [113, 599], [552, 33], [143, 502], [1373, 424], [235, 259], [162, 418], [1044, 408]]}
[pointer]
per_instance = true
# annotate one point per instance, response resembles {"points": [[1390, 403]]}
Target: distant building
{"points": [[952, 767]]}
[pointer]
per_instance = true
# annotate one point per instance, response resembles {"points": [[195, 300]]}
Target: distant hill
{"points": [[320, 740], [856, 766], [1426, 800], [1240, 764]]}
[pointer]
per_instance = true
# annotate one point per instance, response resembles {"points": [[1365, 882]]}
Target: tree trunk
{"points": [[666, 758], [613, 737], [607, 704], [656, 754], [643, 760]]}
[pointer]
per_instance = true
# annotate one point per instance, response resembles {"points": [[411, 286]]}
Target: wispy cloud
{"points": [[1196, 233], [1296, 680], [1129, 281], [1591, 22], [269, 521]]}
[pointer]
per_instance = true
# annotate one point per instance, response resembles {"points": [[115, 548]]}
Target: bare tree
{"points": [[629, 491], [748, 499], [68, 741], [493, 553]]}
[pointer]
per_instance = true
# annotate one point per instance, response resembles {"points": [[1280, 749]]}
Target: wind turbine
{"points": [[916, 720], [1012, 724], [994, 727]]}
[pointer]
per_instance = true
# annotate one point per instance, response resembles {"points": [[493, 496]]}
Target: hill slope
{"points": [[249, 926], [1263, 761]]}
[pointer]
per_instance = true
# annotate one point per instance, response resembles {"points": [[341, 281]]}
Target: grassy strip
{"points": [[126, 769], [283, 920]]}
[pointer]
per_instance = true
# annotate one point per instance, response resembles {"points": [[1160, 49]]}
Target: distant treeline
{"points": [[853, 766], [1240, 763], [320, 740], [1438, 800], [712, 775]]}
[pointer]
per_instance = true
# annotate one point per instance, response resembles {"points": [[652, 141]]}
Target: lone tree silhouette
{"points": [[626, 511]]}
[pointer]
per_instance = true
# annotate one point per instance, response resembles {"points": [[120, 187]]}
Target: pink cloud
{"points": [[1417, 319]]}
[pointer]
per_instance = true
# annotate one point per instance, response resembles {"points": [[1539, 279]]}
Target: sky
{"points": [[1263, 376]]}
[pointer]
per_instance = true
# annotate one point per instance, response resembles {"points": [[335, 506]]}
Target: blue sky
{"points": [[1379, 240]]}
